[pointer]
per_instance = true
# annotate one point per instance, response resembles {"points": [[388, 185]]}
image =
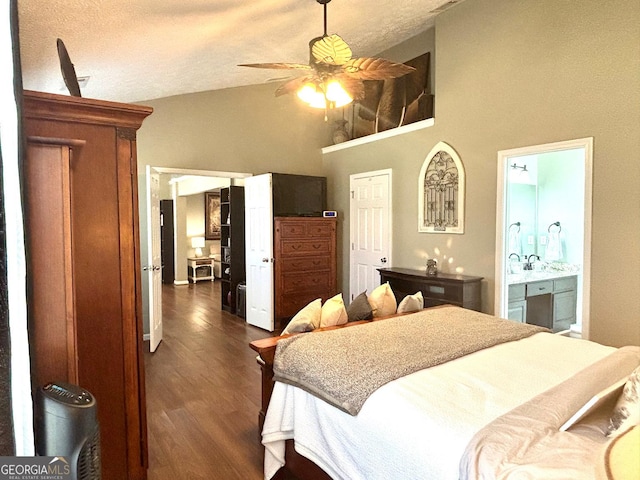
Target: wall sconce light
{"points": [[198, 244]]}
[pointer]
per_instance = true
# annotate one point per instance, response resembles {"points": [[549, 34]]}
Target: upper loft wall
{"points": [[511, 74], [244, 129]]}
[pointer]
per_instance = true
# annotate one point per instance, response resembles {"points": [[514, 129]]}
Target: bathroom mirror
{"points": [[545, 195]]}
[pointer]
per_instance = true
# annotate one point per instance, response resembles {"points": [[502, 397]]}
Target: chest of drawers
{"points": [[305, 262]]}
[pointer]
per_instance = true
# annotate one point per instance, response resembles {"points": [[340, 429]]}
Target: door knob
{"points": [[265, 260]]}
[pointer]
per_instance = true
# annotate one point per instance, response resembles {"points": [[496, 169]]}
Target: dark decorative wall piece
{"points": [[392, 103], [441, 190], [212, 215]]}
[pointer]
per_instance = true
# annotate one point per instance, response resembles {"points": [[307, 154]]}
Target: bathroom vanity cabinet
{"points": [[544, 300]]}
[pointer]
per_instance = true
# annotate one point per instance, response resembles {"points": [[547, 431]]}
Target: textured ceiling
{"points": [[136, 50]]}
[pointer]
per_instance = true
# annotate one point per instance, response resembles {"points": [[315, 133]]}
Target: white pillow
{"points": [[383, 301], [306, 319], [626, 413], [411, 303], [333, 312]]}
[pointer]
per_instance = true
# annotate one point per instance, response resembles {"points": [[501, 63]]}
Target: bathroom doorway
{"points": [[543, 232]]}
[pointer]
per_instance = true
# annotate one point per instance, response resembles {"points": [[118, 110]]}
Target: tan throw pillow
{"points": [[383, 301], [306, 319], [411, 303], [627, 410], [333, 312]]}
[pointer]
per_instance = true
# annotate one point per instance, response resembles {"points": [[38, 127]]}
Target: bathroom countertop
{"points": [[534, 276]]}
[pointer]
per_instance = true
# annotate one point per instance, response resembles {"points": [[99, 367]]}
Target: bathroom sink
{"points": [[533, 275]]}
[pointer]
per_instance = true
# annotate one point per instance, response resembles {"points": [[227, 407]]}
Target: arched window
{"points": [[441, 192]]}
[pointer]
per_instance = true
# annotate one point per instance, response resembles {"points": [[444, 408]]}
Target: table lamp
{"points": [[198, 244]]}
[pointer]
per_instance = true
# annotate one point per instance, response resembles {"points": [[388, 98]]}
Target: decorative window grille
{"points": [[441, 192]]}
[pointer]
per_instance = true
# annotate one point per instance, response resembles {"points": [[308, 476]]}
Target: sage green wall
{"points": [[512, 73], [244, 129]]}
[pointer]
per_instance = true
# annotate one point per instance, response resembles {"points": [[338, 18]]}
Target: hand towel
{"points": [[553, 251], [514, 242]]}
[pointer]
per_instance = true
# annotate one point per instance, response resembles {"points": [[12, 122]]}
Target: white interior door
{"points": [[154, 260], [259, 251], [370, 229]]}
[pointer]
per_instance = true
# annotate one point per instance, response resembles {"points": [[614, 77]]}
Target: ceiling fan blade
{"points": [[278, 66], [293, 85], [375, 69], [331, 50], [68, 71], [279, 79]]}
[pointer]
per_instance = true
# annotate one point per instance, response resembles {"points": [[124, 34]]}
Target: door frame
{"points": [[144, 244], [357, 176], [501, 290]]}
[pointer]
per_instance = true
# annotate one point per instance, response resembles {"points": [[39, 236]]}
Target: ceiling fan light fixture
{"points": [[331, 58], [310, 94], [329, 94], [337, 95]]}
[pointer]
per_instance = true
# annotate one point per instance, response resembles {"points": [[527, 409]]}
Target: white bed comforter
{"points": [[417, 427]]}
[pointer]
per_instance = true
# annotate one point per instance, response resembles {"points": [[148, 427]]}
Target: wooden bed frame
{"points": [[297, 466]]}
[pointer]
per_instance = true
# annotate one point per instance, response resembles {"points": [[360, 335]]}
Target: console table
{"points": [[440, 289], [200, 268]]}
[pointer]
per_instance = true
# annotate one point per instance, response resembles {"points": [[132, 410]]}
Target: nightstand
{"points": [[200, 268]]}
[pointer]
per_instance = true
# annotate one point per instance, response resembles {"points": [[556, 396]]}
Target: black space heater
{"points": [[67, 426]]}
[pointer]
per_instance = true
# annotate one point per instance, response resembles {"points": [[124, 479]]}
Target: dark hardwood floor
{"points": [[203, 390]]}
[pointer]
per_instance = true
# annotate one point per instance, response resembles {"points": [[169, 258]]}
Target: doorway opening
{"points": [[161, 183], [543, 235]]}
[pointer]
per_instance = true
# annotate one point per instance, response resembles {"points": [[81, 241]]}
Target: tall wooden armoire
{"points": [[84, 297]]}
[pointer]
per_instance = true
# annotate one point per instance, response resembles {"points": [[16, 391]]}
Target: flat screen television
{"points": [[298, 195]]}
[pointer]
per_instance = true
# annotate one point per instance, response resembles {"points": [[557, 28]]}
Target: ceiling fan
{"points": [[333, 78]]}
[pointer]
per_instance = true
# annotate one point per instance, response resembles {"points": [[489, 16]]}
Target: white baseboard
{"points": [[146, 337], [181, 282]]}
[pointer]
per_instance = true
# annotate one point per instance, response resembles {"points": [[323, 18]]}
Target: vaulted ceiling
{"points": [[135, 50]]}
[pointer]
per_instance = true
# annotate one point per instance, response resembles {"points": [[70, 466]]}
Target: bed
{"points": [[494, 411]]}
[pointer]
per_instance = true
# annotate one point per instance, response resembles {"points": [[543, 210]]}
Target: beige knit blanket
{"points": [[344, 366]]}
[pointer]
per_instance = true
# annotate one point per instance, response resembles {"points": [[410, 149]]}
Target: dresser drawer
{"points": [[539, 288], [305, 282], [300, 247], [305, 264], [305, 228], [320, 229]]}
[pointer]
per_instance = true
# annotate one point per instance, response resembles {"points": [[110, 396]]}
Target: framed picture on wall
{"points": [[212, 215]]}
